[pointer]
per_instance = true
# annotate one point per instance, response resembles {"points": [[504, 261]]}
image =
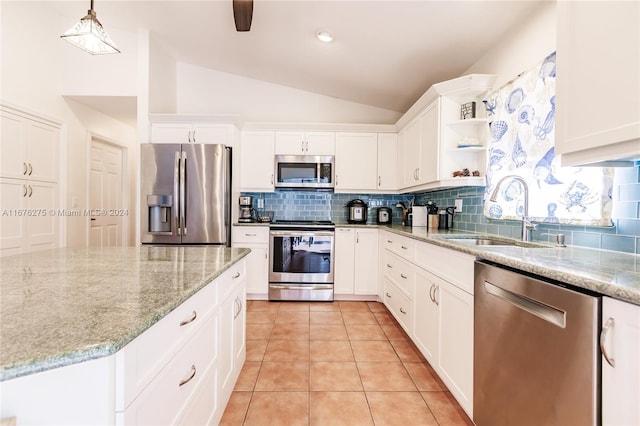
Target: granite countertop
{"points": [[609, 273], [64, 306]]}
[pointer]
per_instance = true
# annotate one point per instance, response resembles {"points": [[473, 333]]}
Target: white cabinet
{"points": [[387, 162], [597, 86], [620, 341], [431, 132], [257, 167], [192, 132], [232, 342], [305, 143], [28, 183], [419, 147], [356, 161], [356, 251], [366, 161], [28, 219], [426, 325], [255, 238]]}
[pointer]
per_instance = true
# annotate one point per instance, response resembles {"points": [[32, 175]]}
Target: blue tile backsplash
{"points": [[623, 236]]}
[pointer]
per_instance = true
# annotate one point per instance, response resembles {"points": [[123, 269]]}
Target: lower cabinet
{"points": [[255, 238], [620, 341], [356, 250]]}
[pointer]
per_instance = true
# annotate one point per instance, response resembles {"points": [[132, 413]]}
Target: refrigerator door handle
{"points": [[176, 192], [183, 193]]}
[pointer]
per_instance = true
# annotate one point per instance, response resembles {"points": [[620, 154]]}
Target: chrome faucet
{"points": [[527, 225]]}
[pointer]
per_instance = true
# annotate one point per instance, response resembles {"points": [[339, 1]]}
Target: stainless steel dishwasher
{"points": [[536, 358]]}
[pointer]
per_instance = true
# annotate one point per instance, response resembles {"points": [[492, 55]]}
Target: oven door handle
{"points": [[301, 287], [302, 233]]}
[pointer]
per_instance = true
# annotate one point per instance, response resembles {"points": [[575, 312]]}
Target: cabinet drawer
{"points": [[399, 305], [452, 266], [402, 246], [230, 280], [170, 392], [141, 360], [400, 272], [250, 234]]}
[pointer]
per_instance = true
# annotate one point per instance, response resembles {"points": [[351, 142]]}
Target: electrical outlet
{"points": [[459, 205]]}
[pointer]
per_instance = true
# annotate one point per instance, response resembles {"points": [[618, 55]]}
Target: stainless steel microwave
{"points": [[304, 172]]}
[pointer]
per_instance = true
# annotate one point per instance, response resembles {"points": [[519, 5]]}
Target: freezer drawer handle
{"points": [[603, 337], [534, 307]]}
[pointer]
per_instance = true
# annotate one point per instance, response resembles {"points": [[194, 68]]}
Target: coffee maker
{"points": [[246, 209]]}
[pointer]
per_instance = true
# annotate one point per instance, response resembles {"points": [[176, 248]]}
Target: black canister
{"points": [[443, 220]]}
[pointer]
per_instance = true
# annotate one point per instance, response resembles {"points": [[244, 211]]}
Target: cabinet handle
{"points": [[189, 320], [389, 266], [238, 304], [336, 179], [24, 190], [436, 293], [30, 169], [194, 136], [433, 286], [236, 275], [404, 247], [192, 374], [403, 276], [379, 181], [357, 238], [403, 311], [250, 235], [389, 241], [388, 295], [30, 191], [24, 168], [603, 336]]}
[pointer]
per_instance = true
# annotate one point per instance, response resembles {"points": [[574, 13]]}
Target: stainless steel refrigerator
{"points": [[185, 194]]}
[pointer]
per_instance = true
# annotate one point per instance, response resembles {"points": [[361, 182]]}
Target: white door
{"points": [[105, 195]]}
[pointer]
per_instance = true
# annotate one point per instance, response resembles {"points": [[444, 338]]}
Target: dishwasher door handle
{"points": [[541, 310]]}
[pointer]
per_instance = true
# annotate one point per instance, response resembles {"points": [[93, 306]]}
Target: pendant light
{"points": [[89, 35]]}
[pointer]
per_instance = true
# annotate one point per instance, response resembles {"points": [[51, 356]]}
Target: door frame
{"points": [[125, 190]]}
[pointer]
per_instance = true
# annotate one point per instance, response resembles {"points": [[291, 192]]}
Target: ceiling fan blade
{"points": [[242, 14]]}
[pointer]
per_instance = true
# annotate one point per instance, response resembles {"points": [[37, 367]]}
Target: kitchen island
{"points": [[66, 308]]}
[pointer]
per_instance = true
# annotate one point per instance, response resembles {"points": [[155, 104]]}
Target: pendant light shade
{"points": [[89, 35]]}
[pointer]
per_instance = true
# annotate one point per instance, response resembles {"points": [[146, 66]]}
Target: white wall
{"points": [[162, 79], [522, 47], [205, 91], [35, 66]]}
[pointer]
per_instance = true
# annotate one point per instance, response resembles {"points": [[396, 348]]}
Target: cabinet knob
{"points": [[403, 311], [236, 275], [403, 276], [388, 295]]}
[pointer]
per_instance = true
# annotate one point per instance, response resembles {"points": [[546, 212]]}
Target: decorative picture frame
{"points": [[468, 110]]}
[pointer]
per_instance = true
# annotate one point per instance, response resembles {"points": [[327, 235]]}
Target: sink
{"points": [[484, 241]]}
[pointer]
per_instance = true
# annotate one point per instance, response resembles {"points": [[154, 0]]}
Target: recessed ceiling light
{"points": [[324, 36]]}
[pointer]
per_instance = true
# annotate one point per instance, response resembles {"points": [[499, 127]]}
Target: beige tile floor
{"points": [[340, 363]]}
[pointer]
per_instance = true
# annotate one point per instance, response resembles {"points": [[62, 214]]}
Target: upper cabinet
{"points": [[193, 129], [256, 160], [436, 144], [366, 161], [29, 148], [598, 82], [305, 143]]}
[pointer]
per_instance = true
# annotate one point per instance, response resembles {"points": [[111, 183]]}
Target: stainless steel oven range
{"points": [[301, 254]]}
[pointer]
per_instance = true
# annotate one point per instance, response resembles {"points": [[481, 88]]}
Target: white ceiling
{"points": [[385, 53]]}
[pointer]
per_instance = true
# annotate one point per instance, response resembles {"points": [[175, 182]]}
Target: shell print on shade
{"points": [[518, 154], [495, 211], [514, 100], [490, 106], [541, 131], [498, 129], [543, 170], [578, 196], [495, 158], [526, 114], [548, 67]]}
